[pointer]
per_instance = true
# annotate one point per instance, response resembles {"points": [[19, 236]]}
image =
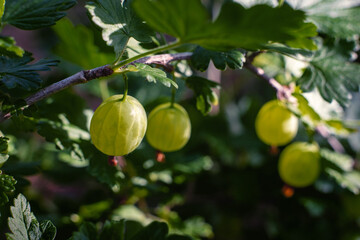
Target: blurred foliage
{"points": [[224, 183]]}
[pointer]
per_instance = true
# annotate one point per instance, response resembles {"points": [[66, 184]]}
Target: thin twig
{"points": [[283, 92], [88, 75], [333, 141]]}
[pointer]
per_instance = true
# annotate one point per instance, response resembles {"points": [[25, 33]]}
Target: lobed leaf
{"points": [[87, 54], [67, 138], [8, 47], [312, 119], [48, 230], [2, 8], [235, 27], [342, 161], [334, 18], [306, 113], [348, 180], [87, 232], [24, 225], [3, 150], [99, 168], [201, 57], [127, 230], [203, 91], [7, 185], [34, 14], [153, 231], [17, 72], [296, 53], [332, 74], [152, 74], [119, 23], [120, 230]]}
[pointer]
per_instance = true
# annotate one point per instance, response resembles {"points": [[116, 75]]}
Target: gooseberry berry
{"points": [[299, 164], [169, 127], [275, 124], [118, 125]]}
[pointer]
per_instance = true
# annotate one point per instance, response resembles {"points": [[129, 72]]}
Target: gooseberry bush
{"points": [[179, 119]]}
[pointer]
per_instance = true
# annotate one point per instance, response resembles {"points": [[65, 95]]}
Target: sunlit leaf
{"points": [[332, 74], [235, 26], [152, 74], [118, 22], [342, 161], [8, 47], [24, 225]]}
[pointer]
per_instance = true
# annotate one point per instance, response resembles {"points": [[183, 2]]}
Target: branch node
{"points": [[97, 73]]}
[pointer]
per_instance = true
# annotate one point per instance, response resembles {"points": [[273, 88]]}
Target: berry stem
{"points": [[173, 91], [126, 87]]}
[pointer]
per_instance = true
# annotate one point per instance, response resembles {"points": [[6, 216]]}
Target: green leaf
{"points": [[126, 230], [306, 113], [7, 186], [303, 41], [3, 159], [87, 232], [3, 150], [335, 18], [34, 14], [63, 132], [203, 91], [130, 212], [119, 23], [236, 26], [196, 226], [99, 168], [348, 180], [332, 75], [120, 230], [67, 138], [193, 164], [338, 127], [94, 210], [312, 119], [342, 161], [152, 74], [344, 24], [8, 47], [16, 72], [201, 59], [48, 230], [183, 19], [288, 51], [87, 54], [2, 8], [178, 237], [153, 231], [24, 225]]}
